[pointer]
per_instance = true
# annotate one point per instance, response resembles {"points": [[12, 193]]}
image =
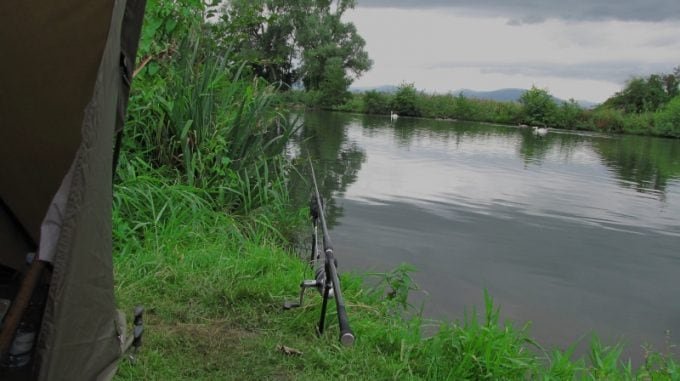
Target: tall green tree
{"points": [[647, 94], [297, 41], [334, 83]]}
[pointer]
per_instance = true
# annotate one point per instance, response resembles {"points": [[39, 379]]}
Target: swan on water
{"points": [[393, 115], [540, 131]]}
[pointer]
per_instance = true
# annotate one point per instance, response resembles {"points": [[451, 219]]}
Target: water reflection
{"points": [[574, 231], [562, 174], [643, 163], [534, 149], [337, 160]]}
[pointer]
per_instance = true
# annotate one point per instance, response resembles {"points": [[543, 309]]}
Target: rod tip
{"points": [[347, 339]]}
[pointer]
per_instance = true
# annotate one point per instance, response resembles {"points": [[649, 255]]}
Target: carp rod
{"points": [[326, 279]]}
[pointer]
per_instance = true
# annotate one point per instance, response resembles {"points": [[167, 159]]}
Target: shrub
{"points": [[641, 124], [667, 121], [376, 103], [568, 115], [405, 101], [464, 108], [607, 120], [539, 107]]}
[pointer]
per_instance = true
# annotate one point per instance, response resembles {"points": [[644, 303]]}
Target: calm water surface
{"points": [[576, 233]]}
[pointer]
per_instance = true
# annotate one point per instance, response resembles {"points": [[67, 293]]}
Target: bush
{"points": [[507, 112], [640, 124], [539, 107], [436, 105], [405, 101], [667, 121], [606, 119], [354, 103], [376, 103], [464, 108], [568, 115]]}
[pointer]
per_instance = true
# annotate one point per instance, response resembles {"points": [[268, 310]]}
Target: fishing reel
{"points": [[324, 264], [316, 261]]}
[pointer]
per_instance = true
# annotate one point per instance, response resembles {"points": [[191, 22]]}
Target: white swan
{"points": [[393, 115], [540, 131]]}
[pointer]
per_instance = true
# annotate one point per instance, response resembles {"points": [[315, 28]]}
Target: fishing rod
{"points": [[325, 268]]}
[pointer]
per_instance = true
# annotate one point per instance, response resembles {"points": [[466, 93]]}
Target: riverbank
{"points": [[213, 286], [538, 109], [201, 217]]}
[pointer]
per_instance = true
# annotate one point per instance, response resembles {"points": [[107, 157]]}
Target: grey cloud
{"points": [[533, 11], [665, 41], [614, 71]]}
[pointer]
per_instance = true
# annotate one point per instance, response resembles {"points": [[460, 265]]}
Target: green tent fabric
{"points": [[65, 72]]}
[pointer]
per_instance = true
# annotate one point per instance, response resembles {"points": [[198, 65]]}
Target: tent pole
{"points": [[16, 311]]}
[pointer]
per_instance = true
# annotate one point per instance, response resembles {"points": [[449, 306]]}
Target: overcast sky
{"points": [[574, 48]]}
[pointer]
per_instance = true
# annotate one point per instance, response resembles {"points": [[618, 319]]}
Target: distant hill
{"points": [[501, 95], [512, 95], [382, 89]]}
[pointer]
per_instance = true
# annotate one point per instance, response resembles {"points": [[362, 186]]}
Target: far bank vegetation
{"points": [[645, 106]]}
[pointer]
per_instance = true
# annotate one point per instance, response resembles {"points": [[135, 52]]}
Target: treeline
{"points": [[646, 106]]}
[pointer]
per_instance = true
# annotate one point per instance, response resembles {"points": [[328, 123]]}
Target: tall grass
{"points": [[212, 127], [214, 296]]}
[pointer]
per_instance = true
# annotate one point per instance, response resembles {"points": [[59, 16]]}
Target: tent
{"points": [[65, 72]]}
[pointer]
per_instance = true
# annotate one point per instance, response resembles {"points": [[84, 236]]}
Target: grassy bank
{"points": [[213, 285]]}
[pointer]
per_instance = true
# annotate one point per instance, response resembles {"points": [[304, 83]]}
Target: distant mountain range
{"points": [[501, 95]]}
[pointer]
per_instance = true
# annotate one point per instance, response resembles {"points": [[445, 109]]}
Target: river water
{"points": [[574, 232]]}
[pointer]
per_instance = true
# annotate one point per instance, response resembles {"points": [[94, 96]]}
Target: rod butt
{"points": [[347, 339]]}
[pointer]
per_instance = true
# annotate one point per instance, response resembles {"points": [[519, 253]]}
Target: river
{"points": [[574, 232]]}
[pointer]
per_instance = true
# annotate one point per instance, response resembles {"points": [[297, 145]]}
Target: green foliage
{"points": [[375, 103], [640, 124], [261, 33], [298, 41], [505, 112], [405, 100], [464, 108], [166, 22], [396, 286], [334, 84], [443, 106], [646, 94], [207, 123], [353, 103], [568, 115], [607, 120], [479, 350], [667, 120], [539, 107], [436, 105]]}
